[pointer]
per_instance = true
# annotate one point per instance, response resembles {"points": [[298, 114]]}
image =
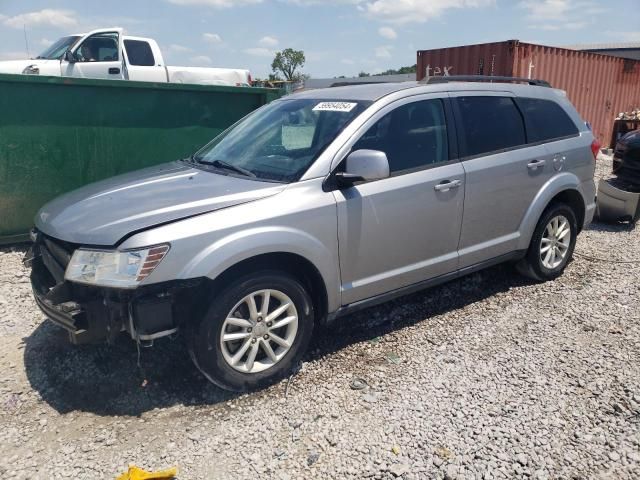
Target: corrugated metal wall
{"points": [[599, 86], [481, 59]]}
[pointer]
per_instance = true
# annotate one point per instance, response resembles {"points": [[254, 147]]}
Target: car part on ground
{"points": [[618, 201], [619, 196]]}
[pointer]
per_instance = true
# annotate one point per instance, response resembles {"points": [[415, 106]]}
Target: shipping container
{"points": [[600, 86], [57, 134]]}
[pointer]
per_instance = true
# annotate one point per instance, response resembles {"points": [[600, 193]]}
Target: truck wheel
{"points": [[552, 244], [255, 331]]}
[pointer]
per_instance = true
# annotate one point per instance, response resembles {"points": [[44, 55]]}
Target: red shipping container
{"points": [[600, 86]]}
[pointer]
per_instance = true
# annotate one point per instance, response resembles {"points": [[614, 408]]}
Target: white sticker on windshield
{"points": [[334, 107]]}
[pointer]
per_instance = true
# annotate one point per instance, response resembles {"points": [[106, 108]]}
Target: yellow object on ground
{"points": [[135, 473]]}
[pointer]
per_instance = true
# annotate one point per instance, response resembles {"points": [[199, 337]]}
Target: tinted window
{"points": [[545, 120], [489, 124], [412, 136], [139, 53]]}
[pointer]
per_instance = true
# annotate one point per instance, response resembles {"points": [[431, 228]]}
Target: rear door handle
{"points": [[114, 71], [534, 164], [447, 185]]}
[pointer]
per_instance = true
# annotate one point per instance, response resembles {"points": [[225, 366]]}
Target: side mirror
{"points": [[70, 57], [363, 166]]}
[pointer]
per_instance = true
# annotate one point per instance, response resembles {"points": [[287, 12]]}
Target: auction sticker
{"points": [[334, 107]]}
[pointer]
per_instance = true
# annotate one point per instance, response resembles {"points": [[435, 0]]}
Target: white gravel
{"points": [[487, 377]]}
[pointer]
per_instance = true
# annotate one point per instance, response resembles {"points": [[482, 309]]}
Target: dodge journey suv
{"points": [[314, 206]]}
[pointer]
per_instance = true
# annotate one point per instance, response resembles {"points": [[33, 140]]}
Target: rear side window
{"points": [[545, 120], [139, 53], [489, 124]]}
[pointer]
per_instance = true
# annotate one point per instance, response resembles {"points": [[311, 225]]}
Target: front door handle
{"points": [[447, 185], [534, 164], [114, 71]]}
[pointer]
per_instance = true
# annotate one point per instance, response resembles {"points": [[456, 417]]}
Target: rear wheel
{"points": [[255, 331], [552, 245]]}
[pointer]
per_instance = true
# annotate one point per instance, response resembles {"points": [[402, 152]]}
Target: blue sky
{"points": [[339, 37]]}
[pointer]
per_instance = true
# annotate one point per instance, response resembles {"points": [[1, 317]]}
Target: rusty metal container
{"points": [[600, 86]]}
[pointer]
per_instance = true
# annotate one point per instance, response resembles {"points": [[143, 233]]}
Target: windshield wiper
{"points": [[228, 166]]}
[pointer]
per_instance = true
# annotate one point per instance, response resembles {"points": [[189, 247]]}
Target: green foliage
{"points": [[288, 62], [400, 71]]}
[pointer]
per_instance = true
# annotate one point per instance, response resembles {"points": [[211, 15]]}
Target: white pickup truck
{"points": [[107, 53]]}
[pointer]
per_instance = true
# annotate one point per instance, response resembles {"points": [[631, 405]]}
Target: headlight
{"points": [[111, 268]]}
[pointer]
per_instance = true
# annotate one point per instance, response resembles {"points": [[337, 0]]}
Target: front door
{"points": [[403, 229], [99, 55]]}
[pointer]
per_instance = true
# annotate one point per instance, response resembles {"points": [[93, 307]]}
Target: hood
{"points": [[102, 213], [46, 67]]}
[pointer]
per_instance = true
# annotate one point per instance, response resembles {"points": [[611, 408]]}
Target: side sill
{"points": [[416, 287]]}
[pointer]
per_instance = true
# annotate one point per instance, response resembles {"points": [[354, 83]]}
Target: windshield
{"points": [[281, 140], [56, 51]]}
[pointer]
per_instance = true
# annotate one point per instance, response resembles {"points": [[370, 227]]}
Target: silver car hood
{"points": [[103, 213]]}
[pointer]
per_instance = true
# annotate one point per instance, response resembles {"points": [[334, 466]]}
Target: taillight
{"points": [[595, 148], [250, 80]]}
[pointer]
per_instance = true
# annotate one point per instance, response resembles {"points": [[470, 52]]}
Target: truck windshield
{"points": [[56, 51], [281, 140]]}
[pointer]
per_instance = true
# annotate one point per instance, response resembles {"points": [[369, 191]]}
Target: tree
{"points": [[401, 70], [288, 62]]}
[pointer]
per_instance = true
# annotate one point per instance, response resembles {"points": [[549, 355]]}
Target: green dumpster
{"points": [[57, 134]]}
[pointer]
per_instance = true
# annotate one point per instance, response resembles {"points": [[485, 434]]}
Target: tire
{"points": [[246, 332], [538, 265]]}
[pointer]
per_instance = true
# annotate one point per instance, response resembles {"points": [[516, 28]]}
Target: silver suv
{"points": [[312, 207]]}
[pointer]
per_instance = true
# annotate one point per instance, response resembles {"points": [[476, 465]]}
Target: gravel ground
{"points": [[490, 376]]}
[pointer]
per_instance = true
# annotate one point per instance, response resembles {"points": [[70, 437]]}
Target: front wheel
{"points": [[255, 331], [552, 245]]}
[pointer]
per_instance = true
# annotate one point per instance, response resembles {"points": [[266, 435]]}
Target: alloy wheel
{"points": [[259, 331], [555, 242]]}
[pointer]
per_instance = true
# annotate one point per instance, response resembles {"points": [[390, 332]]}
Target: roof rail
{"points": [[483, 78]]}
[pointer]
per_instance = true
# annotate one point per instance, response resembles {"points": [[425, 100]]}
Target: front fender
{"points": [[556, 185], [234, 248]]}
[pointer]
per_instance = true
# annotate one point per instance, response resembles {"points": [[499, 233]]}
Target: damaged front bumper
{"points": [[93, 314]]}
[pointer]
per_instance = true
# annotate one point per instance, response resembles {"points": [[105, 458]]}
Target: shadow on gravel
{"points": [[611, 227], [409, 310], [105, 380]]}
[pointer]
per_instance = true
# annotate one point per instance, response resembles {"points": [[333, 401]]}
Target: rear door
{"points": [[143, 64], [503, 173]]}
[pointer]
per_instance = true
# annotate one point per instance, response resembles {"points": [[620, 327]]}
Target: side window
{"points": [[489, 124], [101, 47], [413, 136], [545, 120], [139, 53]]}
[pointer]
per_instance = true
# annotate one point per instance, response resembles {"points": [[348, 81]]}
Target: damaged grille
{"points": [[56, 255]]}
